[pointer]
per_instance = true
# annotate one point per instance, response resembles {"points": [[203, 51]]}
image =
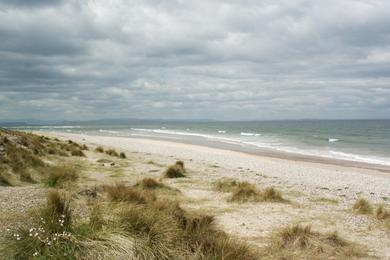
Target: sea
{"points": [[365, 141]]}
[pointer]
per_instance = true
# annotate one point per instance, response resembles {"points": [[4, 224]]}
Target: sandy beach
{"points": [[322, 194]]}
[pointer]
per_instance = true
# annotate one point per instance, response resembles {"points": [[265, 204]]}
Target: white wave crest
{"points": [[249, 134]]}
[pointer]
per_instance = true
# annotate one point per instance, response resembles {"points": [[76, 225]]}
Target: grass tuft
{"points": [[5, 179], [175, 171], [58, 175], [122, 193], [77, 153], [99, 149], [149, 183], [362, 206], [112, 152], [225, 185], [300, 242], [382, 213], [122, 155], [247, 192]]}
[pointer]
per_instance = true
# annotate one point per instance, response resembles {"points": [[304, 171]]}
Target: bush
{"points": [[362, 206], [58, 175]]}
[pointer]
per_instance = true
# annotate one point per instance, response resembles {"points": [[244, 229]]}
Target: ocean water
{"points": [[356, 140]]}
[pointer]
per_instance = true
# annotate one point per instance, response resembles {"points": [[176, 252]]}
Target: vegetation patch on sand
{"points": [[248, 192], [362, 206], [300, 242], [123, 193], [176, 170], [225, 184], [59, 175], [24, 156]]}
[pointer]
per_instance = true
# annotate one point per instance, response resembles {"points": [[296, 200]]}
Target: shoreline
{"points": [[259, 152]]}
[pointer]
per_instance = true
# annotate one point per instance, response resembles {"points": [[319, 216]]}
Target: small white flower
{"points": [[18, 238], [35, 254]]}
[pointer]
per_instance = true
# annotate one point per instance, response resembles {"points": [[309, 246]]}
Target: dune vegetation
{"points": [[98, 207]]}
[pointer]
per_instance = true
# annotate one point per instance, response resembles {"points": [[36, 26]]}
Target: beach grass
{"points": [[362, 206]]}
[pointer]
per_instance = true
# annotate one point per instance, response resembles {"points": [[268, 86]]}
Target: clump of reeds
{"points": [[123, 193], [300, 242], [176, 170], [58, 175], [362, 206]]}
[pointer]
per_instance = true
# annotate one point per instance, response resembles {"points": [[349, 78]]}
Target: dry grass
{"points": [[225, 185], [99, 149], [122, 155], [381, 213], [163, 230], [175, 171], [122, 193], [362, 206], [247, 192], [77, 153], [26, 177], [5, 179], [112, 152], [59, 175], [300, 242], [149, 183]]}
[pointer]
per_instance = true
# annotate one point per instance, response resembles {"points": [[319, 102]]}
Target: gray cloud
{"points": [[194, 59]]}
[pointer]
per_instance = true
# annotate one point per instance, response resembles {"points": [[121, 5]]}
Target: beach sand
{"points": [[321, 194]]}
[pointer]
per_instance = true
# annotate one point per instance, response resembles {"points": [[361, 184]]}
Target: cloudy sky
{"points": [[231, 60]]}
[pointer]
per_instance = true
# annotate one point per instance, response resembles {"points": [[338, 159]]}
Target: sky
{"points": [[194, 59]]}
